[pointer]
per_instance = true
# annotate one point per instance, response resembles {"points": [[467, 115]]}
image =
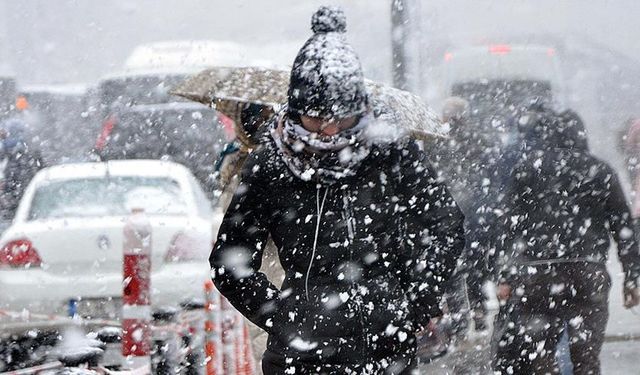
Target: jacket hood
{"points": [[558, 131]]}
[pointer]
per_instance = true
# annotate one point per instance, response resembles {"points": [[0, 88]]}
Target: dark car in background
{"points": [[115, 93], [186, 133], [7, 94], [139, 87], [500, 81], [58, 121], [135, 117]]}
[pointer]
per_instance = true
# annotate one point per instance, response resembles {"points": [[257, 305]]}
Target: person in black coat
{"points": [[23, 161], [461, 160], [365, 231], [562, 207]]}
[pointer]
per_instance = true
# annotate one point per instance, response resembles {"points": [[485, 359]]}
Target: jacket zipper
{"points": [[351, 229]]}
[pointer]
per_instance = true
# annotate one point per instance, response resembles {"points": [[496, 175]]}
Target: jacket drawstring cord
{"points": [[319, 209]]}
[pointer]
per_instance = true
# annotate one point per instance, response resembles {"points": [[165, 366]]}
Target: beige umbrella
{"points": [[227, 89], [405, 110]]}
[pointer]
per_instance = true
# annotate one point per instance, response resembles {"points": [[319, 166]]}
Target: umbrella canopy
{"points": [[405, 110], [229, 88]]}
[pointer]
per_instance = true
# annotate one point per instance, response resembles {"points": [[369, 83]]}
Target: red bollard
{"points": [[229, 337], [239, 343], [136, 295], [213, 327], [244, 353], [249, 363]]}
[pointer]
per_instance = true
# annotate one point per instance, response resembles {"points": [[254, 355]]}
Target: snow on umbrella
{"points": [[227, 89], [406, 110]]}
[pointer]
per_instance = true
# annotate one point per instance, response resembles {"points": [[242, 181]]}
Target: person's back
{"points": [[563, 205], [566, 200]]}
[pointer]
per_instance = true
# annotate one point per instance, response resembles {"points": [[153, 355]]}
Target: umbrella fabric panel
{"points": [[229, 88]]}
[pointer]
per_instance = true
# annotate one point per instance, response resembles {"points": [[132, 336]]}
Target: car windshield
{"points": [[113, 196]]}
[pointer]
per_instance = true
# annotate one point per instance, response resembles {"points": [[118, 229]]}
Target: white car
{"points": [[63, 252]]}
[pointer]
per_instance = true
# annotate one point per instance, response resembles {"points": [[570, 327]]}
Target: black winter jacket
{"points": [[364, 258], [22, 165], [564, 205]]}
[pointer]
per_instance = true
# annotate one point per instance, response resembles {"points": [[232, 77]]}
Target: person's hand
{"points": [[423, 331], [504, 292], [631, 297]]}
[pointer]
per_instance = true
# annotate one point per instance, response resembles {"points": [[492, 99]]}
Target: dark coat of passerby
{"points": [[563, 206], [365, 232], [460, 159], [248, 125], [23, 161], [631, 149]]}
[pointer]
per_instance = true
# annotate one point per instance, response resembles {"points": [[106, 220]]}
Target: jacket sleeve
{"points": [[623, 232], [434, 232], [237, 255], [513, 203]]}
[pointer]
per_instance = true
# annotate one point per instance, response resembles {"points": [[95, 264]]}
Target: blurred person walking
{"points": [[460, 159], [631, 149], [249, 129], [631, 152], [22, 162], [365, 231], [563, 205]]}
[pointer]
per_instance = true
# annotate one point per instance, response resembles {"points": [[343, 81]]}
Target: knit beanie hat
{"points": [[326, 79]]}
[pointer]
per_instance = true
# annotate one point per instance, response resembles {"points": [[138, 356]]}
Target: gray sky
{"points": [[80, 40]]}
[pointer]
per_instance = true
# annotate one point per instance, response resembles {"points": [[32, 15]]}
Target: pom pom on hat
{"points": [[326, 78], [329, 19]]}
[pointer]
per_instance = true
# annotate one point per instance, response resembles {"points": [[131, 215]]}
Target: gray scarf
{"points": [[324, 159]]}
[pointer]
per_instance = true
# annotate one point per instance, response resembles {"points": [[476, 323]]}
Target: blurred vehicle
{"points": [[7, 94], [58, 121], [500, 80], [153, 68], [65, 242], [137, 87], [195, 54], [137, 118], [186, 133]]}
